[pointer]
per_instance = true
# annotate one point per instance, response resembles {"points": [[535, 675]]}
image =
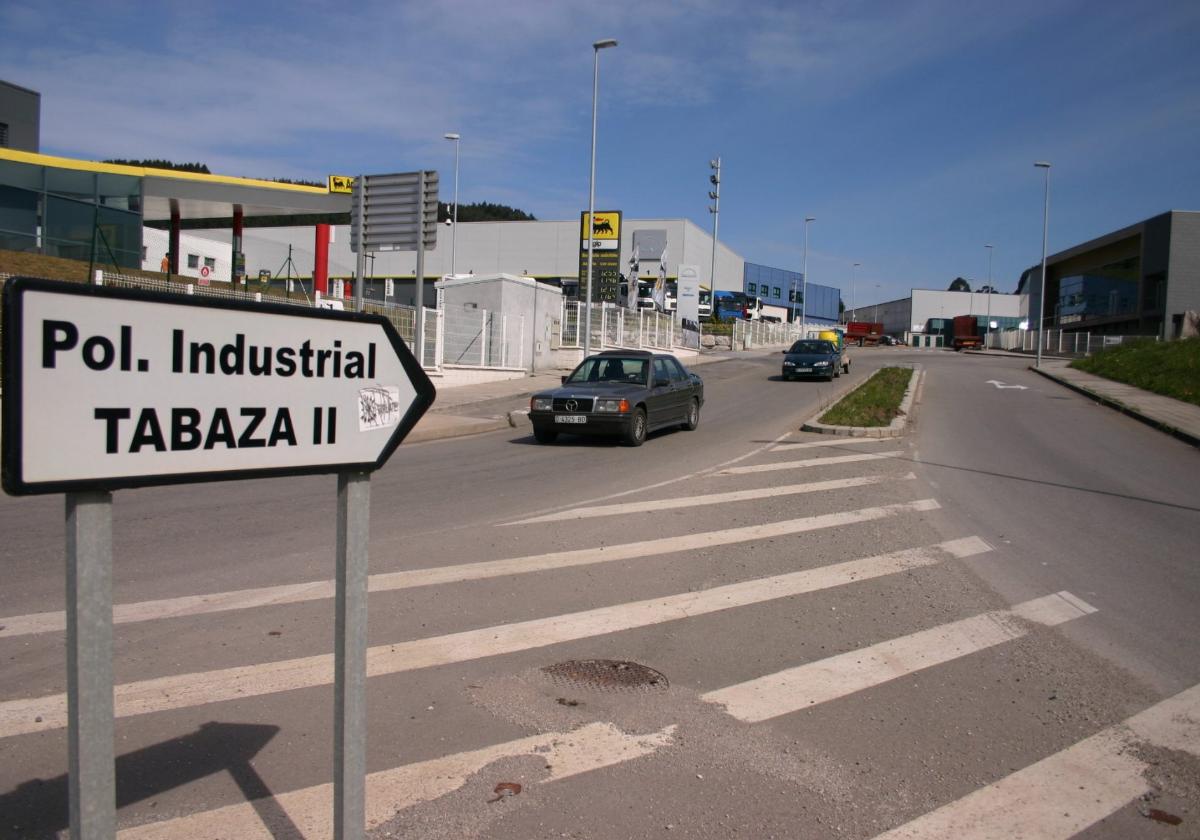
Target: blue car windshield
{"points": [[611, 369], [812, 347]]}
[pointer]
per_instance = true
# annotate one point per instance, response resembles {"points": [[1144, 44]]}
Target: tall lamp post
{"points": [[454, 230], [854, 266], [1041, 164], [875, 317], [804, 278], [987, 331], [715, 209], [587, 335]]}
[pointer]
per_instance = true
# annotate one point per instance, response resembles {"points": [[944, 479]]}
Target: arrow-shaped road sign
{"points": [[1001, 386], [111, 388]]}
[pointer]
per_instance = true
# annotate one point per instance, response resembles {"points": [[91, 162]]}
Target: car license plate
{"points": [[570, 418], [803, 370]]}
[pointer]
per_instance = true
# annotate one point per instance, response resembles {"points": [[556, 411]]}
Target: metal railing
{"points": [[480, 338], [1058, 342]]}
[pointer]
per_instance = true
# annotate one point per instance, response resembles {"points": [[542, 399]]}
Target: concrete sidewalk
{"points": [[472, 409], [1175, 417]]}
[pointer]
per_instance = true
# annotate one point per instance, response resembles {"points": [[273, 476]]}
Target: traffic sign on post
{"points": [[394, 212], [111, 388]]}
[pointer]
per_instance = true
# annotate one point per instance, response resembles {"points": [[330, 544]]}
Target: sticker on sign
{"points": [[112, 388]]}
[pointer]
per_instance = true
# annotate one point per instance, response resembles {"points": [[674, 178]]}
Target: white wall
{"points": [[540, 249]]}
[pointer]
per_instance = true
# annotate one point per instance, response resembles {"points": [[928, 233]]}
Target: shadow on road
{"points": [[39, 809]]}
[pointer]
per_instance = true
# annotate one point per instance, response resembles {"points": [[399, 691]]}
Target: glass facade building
{"points": [[780, 287], [1105, 292], [66, 212]]}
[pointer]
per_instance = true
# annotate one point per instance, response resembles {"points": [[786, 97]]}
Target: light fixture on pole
{"points": [[855, 312], [987, 330], [587, 334], [1041, 164], [454, 231], [715, 209], [804, 278]]}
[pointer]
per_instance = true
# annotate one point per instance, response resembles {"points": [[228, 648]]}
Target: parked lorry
{"points": [[864, 332], [966, 332]]}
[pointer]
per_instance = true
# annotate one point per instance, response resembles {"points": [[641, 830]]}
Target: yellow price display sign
{"points": [[341, 184]]}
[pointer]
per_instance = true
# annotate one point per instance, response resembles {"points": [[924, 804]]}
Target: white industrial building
{"points": [[546, 250], [923, 309]]}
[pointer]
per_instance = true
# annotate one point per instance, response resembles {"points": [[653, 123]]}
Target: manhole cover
{"points": [[606, 675]]}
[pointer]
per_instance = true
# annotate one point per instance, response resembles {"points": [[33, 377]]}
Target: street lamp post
{"points": [[454, 230], [987, 330], [587, 335], [715, 209], [1041, 164], [804, 278], [854, 266], [875, 317]]}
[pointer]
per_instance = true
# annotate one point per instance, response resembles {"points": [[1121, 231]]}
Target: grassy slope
{"points": [[1170, 368]]}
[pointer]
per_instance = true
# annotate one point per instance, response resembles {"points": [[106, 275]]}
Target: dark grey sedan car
{"points": [[627, 393], [812, 359]]}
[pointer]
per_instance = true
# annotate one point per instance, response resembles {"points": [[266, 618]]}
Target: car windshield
{"points": [[811, 347], [611, 369]]}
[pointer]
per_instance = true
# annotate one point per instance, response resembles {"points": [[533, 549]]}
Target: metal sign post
{"points": [[90, 775], [350, 656], [112, 388]]}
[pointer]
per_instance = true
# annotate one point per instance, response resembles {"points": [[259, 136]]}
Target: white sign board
{"points": [[687, 289], [110, 388]]}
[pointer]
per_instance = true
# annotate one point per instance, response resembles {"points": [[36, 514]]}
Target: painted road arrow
{"points": [[1001, 386], [111, 388]]}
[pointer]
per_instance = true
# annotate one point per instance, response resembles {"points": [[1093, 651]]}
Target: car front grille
{"points": [[572, 403]]}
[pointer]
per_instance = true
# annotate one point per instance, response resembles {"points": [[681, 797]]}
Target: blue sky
{"points": [[909, 129]]}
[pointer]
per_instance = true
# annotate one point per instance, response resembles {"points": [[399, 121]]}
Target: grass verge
{"points": [[875, 403], [1170, 368]]}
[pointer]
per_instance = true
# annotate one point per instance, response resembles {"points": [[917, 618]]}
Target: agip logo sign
{"points": [[341, 184], [604, 232]]}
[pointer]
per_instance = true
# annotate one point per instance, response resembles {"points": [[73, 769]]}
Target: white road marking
{"points": [[1067, 792], [317, 590], [40, 714], [698, 474], [711, 499], [837, 676], [810, 462], [590, 747], [830, 441]]}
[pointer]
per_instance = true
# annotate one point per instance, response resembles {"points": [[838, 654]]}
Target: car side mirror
{"points": [[564, 380]]}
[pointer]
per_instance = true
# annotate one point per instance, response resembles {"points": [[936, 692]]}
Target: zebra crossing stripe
{"points": [[809, 462], [590, 747], [196, 689], [837, 676], [318, 590], [1065, 793], [652, 505]]}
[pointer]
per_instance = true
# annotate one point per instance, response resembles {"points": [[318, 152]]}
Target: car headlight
{"points": [[611, 406], [788, 363], [541, 404], [820, 364]]}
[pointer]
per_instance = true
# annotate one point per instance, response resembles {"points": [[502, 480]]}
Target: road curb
{"points": [[1117, 405], [894, 430]]}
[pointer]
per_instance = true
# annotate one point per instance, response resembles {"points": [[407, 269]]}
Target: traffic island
{"points": [[879, 407]]}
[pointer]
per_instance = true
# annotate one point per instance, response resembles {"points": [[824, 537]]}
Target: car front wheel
{"points": [[693, 416], [635, 434]]}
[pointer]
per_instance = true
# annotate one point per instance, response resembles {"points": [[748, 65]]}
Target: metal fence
{"points": [[1059, 342], [616, 326], [748, 335], [481, 338]]}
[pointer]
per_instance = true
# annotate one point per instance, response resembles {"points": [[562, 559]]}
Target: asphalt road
{"points": [[851, 637]]}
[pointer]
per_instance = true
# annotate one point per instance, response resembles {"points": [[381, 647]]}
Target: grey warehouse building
{"points": [[1139, 280]]}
